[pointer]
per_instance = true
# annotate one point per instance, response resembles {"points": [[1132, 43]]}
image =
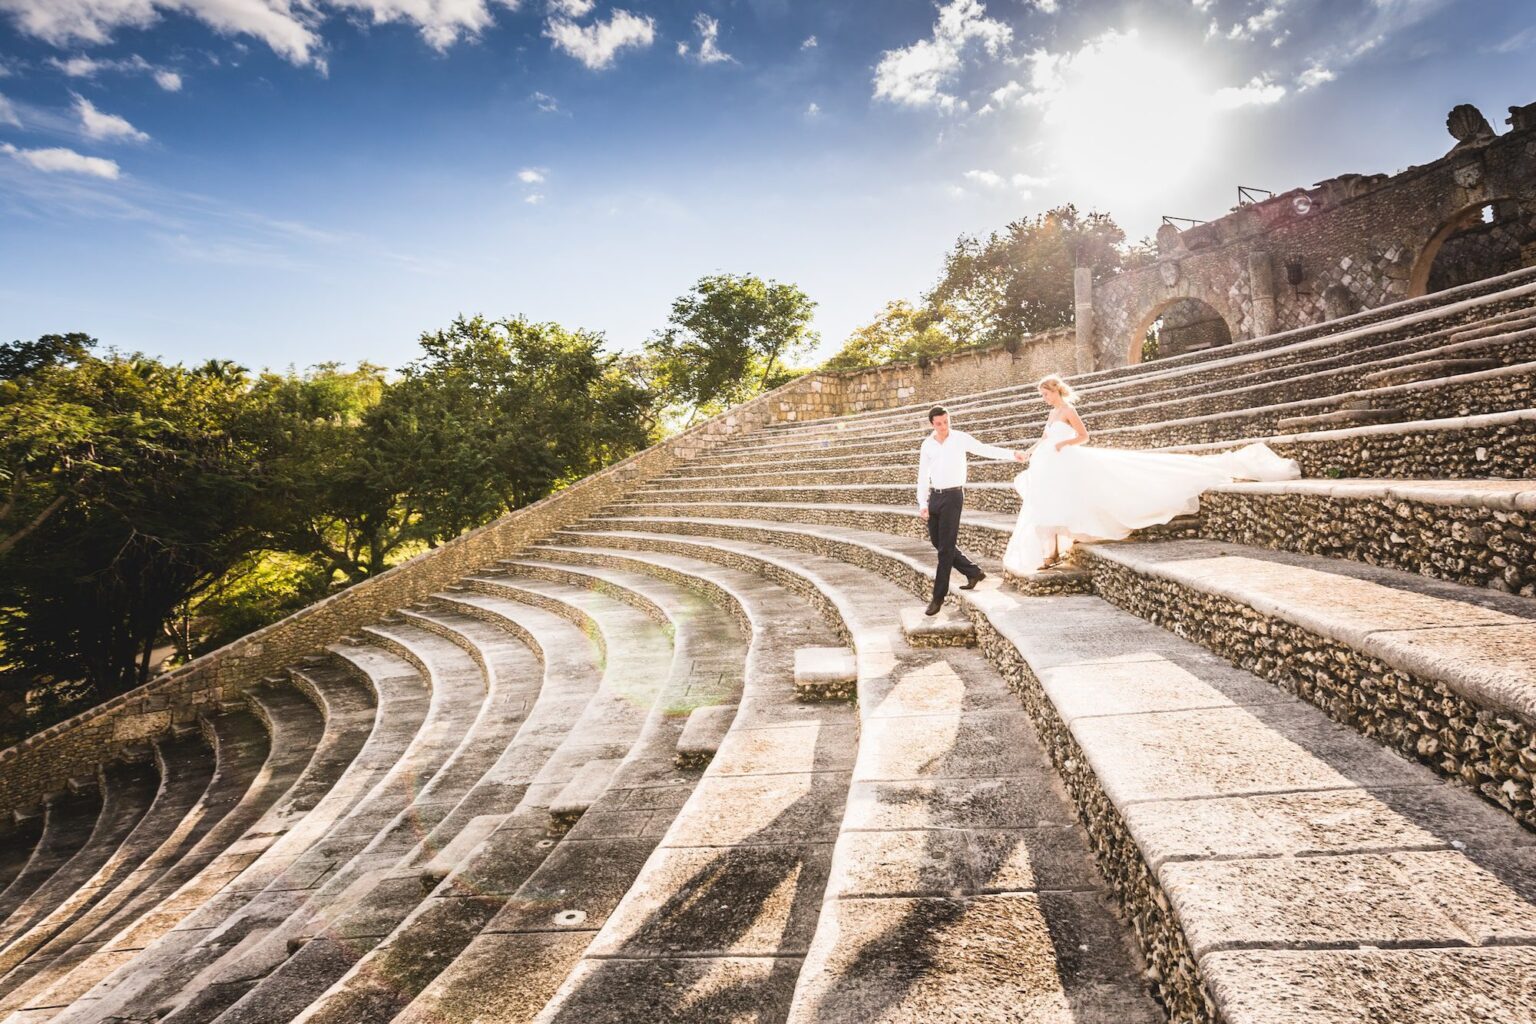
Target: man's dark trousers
{"points": [[944, 509]]}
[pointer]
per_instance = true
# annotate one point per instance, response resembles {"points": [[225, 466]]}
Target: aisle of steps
{"points": [[700, 758]]}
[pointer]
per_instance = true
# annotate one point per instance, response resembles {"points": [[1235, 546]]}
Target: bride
{"points": [[1073, 492]]}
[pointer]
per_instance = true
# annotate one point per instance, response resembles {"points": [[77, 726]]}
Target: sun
{"points": [[1123, 117]]}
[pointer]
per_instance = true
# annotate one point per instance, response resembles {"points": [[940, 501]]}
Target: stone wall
{"points": [[962, 373], [1350, 243], [44, 763]]}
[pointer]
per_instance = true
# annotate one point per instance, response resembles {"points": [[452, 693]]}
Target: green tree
{"points": [[1018, 281], [728, 339], [83, 603], [898, 333]]}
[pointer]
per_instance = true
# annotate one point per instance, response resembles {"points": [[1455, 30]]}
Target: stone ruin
{"points": [[1310, 255]]}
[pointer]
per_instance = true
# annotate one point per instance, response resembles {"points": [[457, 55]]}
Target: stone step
{"points": [[740, 868], [951, 835], [454, 855], [422, 721], [1283, 868], [1442, 673], [702, 736], [826, 674], [242, 786], [67, 824], [1427, 370], [574, 697], [1134, 383], [185, 770], [18, 839], [1312, 372], [607, 841], [1355, 417], [948, 628], [374, 705], [1476, 532], [578, 795], [482, 685]]}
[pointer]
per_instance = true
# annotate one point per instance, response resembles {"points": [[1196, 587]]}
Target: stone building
{"points": [[1309, 255]]}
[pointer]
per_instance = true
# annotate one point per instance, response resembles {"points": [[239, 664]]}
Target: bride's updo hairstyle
{"points": [[1053, 382]]}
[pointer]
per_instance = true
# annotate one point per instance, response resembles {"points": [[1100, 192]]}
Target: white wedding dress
{"points": [[1083, 493]]}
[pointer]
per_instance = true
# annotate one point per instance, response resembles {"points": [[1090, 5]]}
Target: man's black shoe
{"points": [[971, 581], [934, 606]]}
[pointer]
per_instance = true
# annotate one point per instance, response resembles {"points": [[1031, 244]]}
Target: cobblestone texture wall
{"points": [[1355, 242], [43, 764]]}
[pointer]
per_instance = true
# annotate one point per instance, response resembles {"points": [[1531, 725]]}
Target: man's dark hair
{"points": [[936, 412]]}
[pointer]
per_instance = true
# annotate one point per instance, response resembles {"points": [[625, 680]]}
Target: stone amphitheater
{"points": [[677, 745]]}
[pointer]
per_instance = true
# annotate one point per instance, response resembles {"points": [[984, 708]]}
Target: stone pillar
{"points": [[1261, 283], [1082, 317]]}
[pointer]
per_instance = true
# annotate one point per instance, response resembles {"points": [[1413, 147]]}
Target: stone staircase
{"points": [[694, 756]]}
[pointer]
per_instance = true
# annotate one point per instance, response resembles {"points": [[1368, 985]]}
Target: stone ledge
{"points": [[826, 674]]}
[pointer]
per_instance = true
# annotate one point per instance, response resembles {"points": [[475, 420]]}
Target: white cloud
{"points": [[97, 124], [813, 110], [58, 160], [991, 179], [534, 198], [709, 51], [8, 113], [532, 175], [1045, 6], [571, 8], [1260, 23], [596, 45], [918, 75], [1258, 92], [289, 27], [809, 44], [88, 67], [78, 67], [1314, 76], [546, 103], [1022, 183], [440, 22]]}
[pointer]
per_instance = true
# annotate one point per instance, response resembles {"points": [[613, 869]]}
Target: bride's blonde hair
{"points": [[1053, 382]]}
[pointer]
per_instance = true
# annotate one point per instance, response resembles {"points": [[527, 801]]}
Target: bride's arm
{"points": [[1073, 420]]}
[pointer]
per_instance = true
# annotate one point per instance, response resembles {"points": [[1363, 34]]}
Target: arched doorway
{"points": [[1480, 241], [1178, 326]]}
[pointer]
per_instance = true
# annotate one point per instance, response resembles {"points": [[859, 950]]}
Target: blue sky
{"points": [[291, 181]]}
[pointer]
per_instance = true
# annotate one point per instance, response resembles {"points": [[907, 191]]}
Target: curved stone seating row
{"points": [[732, 885], [952, 837], [465, 883], [541, 927], [156, 953], [1501, 340], [1498, 390], [257, 757], [1216, 370], [1492, 302], [1237, 981]]}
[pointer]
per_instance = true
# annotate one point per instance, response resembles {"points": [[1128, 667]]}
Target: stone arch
{"points": [[1463, 222], [1199, 325]]}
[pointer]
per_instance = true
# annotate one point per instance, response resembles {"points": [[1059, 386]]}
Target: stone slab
{"points": [[979, 960], [825, 673], [1375, 986], [702, 734], [734, 901], [583, 790], [949, 628]]}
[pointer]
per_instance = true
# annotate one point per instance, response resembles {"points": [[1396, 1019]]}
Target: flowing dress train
{"points": [[1083, 493]]}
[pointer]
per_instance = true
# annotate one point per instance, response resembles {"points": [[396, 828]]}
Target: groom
{"points": [[941, 496]]}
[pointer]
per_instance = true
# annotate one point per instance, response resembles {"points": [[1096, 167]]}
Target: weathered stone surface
{"points": [[825, 673], [947, 629], [702, 735]]}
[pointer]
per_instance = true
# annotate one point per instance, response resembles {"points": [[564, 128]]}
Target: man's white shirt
{"points": [[943, 465]]}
